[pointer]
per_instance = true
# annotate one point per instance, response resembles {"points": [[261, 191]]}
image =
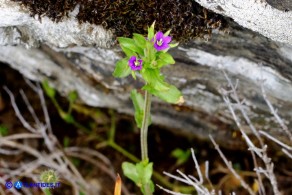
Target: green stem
{"points": [[122, 151], [144, 128], [144, 135], [112, 131], [47, 191]]}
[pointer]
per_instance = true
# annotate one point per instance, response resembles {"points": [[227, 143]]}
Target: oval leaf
{"points": [[129, 170], [122, 69], [166, 58], [172, 95], [139, 39], [128, 46]]}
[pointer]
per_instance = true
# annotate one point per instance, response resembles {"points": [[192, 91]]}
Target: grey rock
{"points": [[285, 5]]}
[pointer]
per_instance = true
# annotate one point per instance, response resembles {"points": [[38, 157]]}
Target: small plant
{"points": [[181, 156], [49, 176], [146, 57], [65, 115]]}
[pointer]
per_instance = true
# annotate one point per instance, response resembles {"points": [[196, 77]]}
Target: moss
{"points": [[186, 18]]}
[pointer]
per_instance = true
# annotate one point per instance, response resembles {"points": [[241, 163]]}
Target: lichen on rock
{"points": [[186, 18]]}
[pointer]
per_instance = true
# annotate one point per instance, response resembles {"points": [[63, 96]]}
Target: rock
{"points": [[284, 5]]}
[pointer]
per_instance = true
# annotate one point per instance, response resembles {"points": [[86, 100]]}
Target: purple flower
{"points": [[135, 64], [161, 41]]}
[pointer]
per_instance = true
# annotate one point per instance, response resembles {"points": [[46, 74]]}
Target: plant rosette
{"points": [[147, 56]]}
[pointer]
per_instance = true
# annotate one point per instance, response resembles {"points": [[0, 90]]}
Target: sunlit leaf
{"points": [[171, 45], [140, 174], [139, 40], [167, 33], [129, 46], [151, 31], [129, 170], [172, 95], [164, 59]]}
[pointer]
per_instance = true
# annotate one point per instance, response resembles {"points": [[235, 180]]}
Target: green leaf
{"points": [[139, 40], [128, 52], [164, 59], [151, 185], [68, 118], [50, 91], [129, 46], [122, 69], [182, 156], [172, 45], [129, 170], [167, 32], [138, 102], [153, 78], [73, 96], [172, 95], [151, 31], [133, 74], [145, 173], [140, 174], [149, 53]]}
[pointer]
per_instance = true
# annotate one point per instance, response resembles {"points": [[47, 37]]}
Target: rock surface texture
{"points": [[256, 49]]}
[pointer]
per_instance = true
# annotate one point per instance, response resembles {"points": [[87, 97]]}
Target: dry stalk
{"points": [[53, 156]]}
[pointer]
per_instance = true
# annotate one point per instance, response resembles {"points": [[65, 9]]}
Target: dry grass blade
{"points": [[118, 185]]}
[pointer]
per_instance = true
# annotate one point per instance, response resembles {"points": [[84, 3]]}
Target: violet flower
{"points": [[134, 63], [161, 41]]}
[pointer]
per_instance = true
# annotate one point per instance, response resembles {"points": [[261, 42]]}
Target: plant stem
{"points": [[47, 191], [112, 131], [144, 135], [144, 128], [122, 151]]}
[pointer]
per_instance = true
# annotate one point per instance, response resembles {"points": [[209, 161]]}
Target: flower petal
{"points": [[162, 47], [132, 64], [132, 59], [166, 39], [159, 35], [157, 47]]}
